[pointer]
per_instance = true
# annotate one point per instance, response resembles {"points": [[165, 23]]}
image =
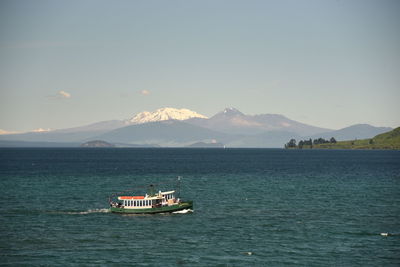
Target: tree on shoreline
{"points": [[291, 144], [310, 142]]}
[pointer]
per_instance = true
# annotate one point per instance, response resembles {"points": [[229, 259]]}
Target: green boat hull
{"points": [[165, 209]]}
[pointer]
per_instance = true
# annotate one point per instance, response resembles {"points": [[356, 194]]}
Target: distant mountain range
{"points": [[232, 121], [358, 131], [169, 127]]}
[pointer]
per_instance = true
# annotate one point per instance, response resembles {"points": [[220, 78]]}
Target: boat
{"points": [[152, 202]]}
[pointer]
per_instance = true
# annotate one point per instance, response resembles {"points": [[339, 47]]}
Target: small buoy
{"points": [[384, 234]]}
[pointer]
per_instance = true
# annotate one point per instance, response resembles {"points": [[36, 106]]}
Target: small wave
{"points": [[183, 211], [90, 211], [389, 234]]}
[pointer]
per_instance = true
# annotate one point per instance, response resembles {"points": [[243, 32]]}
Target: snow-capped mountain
{"points": [[164, 114]]}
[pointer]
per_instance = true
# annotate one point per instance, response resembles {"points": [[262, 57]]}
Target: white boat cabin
{"points": [[147, 202]]}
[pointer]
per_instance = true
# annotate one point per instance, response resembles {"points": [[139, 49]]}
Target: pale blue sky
{"points": [[327, 63]]}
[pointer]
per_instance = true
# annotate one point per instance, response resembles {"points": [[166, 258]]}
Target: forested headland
{"points": [[388, 140]]}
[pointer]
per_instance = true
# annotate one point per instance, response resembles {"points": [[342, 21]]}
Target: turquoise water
{"points": [[253, 207]]}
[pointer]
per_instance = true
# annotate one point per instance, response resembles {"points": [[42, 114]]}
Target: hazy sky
{"points": [[327, 63]]}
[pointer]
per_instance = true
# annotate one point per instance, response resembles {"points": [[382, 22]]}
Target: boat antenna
{"points": [[179, 186]]}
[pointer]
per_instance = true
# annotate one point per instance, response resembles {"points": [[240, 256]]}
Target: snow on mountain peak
{"points": [[41, 130], [164, 114], [7, 132], [231, 111]]}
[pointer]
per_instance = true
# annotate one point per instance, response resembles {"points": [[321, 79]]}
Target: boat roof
{"points": [[168, 192], [130, 197], [145, 197]]}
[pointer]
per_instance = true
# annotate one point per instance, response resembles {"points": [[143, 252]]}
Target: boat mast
{"points": [[151, 190]]}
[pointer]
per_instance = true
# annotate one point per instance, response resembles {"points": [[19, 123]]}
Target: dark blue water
{"points": [[284, 208]]}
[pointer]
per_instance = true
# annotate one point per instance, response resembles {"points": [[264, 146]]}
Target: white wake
{"points": [[90, 211], [183, 211]]}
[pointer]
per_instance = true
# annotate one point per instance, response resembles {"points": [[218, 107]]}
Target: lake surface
{"points": [[252, 207]]}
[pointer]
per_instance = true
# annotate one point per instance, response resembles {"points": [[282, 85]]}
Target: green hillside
{"points": [[389, 140]]}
